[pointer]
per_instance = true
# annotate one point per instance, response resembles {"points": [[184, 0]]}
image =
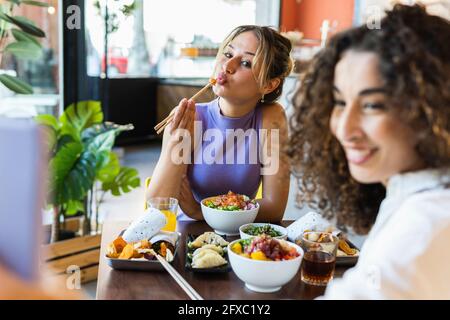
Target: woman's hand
{"points": [[175, 155], [184, 118], [187, 202]]}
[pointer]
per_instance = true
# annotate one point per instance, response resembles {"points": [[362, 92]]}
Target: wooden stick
{"points": [[163, 124], [179, 279]]}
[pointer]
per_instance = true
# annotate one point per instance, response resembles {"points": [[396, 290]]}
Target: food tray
{"points": [[140, 264]]}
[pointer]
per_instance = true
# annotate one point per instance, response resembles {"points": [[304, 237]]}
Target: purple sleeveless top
{"points": [[228, 158]]}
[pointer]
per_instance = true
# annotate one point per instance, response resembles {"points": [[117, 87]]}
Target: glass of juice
{"points": [[169, 207], [319, 258]]}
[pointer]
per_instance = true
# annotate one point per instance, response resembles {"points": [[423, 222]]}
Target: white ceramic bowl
{"points": [[227, 222], [264, 276], [278, 228]]}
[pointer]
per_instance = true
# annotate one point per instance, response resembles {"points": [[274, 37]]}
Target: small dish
{"points": [[189, 251], [348, 260], [246, 233]]}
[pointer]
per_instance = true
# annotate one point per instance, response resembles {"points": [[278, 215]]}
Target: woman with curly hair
{"points": [[370, 144]]}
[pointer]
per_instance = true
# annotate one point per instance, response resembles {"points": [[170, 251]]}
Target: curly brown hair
{"points": [[414, 61]]}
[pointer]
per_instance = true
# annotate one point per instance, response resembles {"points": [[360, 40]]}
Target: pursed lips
{"points": [[221, 78]]}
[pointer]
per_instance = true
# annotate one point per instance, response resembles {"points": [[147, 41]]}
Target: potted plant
{"points": [[83, 168], [18, 36], [82, 164]]}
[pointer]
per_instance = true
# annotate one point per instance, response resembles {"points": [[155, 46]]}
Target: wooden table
{"points": [[134, 285]]}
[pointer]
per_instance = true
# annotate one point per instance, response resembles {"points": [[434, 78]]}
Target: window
{"points": [[42, 73], [170, 38]]}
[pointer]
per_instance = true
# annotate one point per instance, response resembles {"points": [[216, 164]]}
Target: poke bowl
{"points": [[226, 213], [258, 229], [263, 263]]}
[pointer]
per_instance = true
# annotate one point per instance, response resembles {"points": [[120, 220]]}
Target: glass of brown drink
{"points": [[319, 257]]}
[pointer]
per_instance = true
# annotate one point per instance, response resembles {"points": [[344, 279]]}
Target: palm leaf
{"points": [[51, 123], [60, 167], [74, 206], [126, 180], [47, 120], [81, 115], [110, 170]]}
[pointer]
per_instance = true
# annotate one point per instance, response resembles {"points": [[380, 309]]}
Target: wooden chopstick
{"points": [[163, 124], [194, 295]]}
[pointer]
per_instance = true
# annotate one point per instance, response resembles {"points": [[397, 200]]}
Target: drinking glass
{"points": [[319, 258], [169, 207]]}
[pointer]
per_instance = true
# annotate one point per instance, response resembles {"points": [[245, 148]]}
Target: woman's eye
{"points": [[374, 106], [246, 64], [228, 55], [339, 103]]}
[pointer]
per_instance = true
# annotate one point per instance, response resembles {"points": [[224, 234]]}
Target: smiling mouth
{"points": [[359, 156]]}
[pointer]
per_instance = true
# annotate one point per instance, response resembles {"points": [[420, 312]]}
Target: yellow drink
{"points": [[171, 221], [169, 207]]}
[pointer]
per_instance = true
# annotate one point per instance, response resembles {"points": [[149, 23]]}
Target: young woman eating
{"points": [[229, 153]]}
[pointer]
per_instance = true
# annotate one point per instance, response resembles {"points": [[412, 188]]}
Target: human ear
{"points": [[271, 85]]}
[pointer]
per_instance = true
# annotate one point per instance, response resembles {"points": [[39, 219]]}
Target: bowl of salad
{"points": [[226, 213], [265, 264], [258, 229]]}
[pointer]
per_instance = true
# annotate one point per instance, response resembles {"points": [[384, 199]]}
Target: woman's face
{"points": [[237, 81], [376, 142]]}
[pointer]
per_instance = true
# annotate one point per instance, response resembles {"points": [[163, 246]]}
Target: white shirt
{"points": [[407, 252]]}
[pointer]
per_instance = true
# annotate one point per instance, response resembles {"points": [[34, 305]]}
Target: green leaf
{"points": [[81, 115], [24, 50], [25, 20], [51, 123], [74, 206], [24, 24], [97, 129], [60, 167], [16, 85], [19, 35], [73, 173], [63, 139], [36, 3], [126, 180], [47, 120], [110, 170]]}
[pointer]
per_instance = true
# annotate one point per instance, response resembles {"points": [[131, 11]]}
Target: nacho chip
{"points": [[344, 246], [127, 252]]}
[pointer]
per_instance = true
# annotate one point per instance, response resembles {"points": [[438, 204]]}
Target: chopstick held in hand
{"points": [[163, 124]]}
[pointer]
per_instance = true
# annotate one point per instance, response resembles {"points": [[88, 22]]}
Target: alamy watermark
{"points": [[73, 19], [234, 146], [73, 281]]}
